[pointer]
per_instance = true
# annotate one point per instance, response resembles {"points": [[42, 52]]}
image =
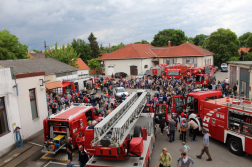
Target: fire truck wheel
{"points": [[137, 131], [235, 145]]}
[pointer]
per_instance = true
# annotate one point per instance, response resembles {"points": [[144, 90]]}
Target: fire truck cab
{"points": [[65, 124], [171, 73]]}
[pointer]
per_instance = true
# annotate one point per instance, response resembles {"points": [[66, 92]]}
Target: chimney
{"points": [[169, 43]]}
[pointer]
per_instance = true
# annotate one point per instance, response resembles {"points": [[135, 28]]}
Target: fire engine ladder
{"points": [[108, 128]]}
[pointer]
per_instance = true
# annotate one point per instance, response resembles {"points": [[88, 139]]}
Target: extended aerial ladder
{"points": [[114, 128]]}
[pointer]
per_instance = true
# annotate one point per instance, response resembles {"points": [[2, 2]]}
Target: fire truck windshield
{"points": [[173, 73], [164, 73]]}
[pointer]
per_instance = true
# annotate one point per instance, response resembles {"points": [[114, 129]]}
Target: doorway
{"points": [[133, 70]]}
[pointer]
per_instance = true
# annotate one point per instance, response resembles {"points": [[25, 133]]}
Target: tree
{"points": [[36, 51], [94, 46], [94, 63], [142, 42], [190, 40], [249, 42], [243, 38], [114, 48], [11, 48], [65, 54], [200, 40], [176, 37], [83, 49], [246, 56], [224, 43]]}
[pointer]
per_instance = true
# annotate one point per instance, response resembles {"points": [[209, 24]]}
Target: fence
{"points": [[95, 71]]}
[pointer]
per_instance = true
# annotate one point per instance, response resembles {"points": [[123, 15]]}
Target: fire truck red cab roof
{"points": [[70, 113], [205, 94]]}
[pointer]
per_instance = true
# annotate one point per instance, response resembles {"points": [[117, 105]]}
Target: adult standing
{"points": [[205, 146], [195, 127], [185, 160], [165, 159], [172, 124], [234, 89], [69, 148], [83, 157]]}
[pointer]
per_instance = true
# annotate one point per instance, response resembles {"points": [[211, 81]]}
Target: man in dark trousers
{"points": [[83, 157], [205, 146], [172, 124], [69, 148]]}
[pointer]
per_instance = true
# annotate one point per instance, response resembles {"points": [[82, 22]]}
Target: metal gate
{"points": [[133, 70], [244, 81], [233, 76]]}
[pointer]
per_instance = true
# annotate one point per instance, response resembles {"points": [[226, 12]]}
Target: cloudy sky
{"points": [[115, 21]]}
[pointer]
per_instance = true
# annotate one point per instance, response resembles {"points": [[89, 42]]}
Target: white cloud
{"points": [[115, 21]]}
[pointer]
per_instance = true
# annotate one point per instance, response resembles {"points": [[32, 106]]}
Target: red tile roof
{"points": [[81, 65], [244, 49], [132, 51]]}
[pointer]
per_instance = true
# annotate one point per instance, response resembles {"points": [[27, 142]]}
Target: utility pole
{"points": [[45, 44]]}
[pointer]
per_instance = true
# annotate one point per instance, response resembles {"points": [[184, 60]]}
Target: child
{"points": [[185, 147], [168, 132]]}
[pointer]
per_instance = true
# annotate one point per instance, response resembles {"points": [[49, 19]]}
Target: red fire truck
{"points": [[228, 120], [123, 138], [67, 123]]}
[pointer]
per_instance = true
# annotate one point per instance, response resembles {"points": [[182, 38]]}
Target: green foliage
{"points": [[224, 44], [114, 48], [200, 40], [176, 37], [234, 59], [94, 46], [65, 54], [36, 51], [246, 56], [243, 38], [249, 42], [142, 42], [94, 63], [11, 48], [83, 49]]}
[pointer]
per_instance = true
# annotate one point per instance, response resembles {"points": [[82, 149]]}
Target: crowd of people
{"points": [[104, 100]]}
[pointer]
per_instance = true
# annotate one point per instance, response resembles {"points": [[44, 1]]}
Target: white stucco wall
{"points": [[205, 60], [11, 106], [180, 60], [82, 72], [30, 126], [124, 65]]}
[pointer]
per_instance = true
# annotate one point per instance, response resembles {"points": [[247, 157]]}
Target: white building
{"points": [[9, 111], [137, 58], [32, 102], [22, 104], [83, 69]]}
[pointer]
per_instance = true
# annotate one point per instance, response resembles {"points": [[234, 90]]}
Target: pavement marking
{"points": [[36, 144], [58, 163]]}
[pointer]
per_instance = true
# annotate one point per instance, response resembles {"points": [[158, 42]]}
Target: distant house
{"points": [[36, 55], [137, 58], [83, 69], [244, 49]]}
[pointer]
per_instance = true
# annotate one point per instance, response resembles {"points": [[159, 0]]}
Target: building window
{"points": [[170, 61], [33, 103], [74, 73], [145, 66], [3, 118], [190, 60]]}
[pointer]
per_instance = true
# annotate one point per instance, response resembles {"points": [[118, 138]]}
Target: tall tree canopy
{"points": [[11, 48], [94, 46], [176, 37], [200, 40], [224, 43], [243, 38], [249, 42], [65, 54], [94, 63], [142, 42], [83, 49]]}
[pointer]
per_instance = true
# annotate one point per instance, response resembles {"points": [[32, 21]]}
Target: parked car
{"points": [[120, 74], [119, 91], [147, 73], [141, 75], [224, 69]]}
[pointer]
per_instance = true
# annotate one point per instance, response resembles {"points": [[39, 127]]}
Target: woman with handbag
{"points": [[165, 159]]}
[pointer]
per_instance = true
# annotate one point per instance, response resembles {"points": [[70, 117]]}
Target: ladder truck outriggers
{"points": [[125, 137]]}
